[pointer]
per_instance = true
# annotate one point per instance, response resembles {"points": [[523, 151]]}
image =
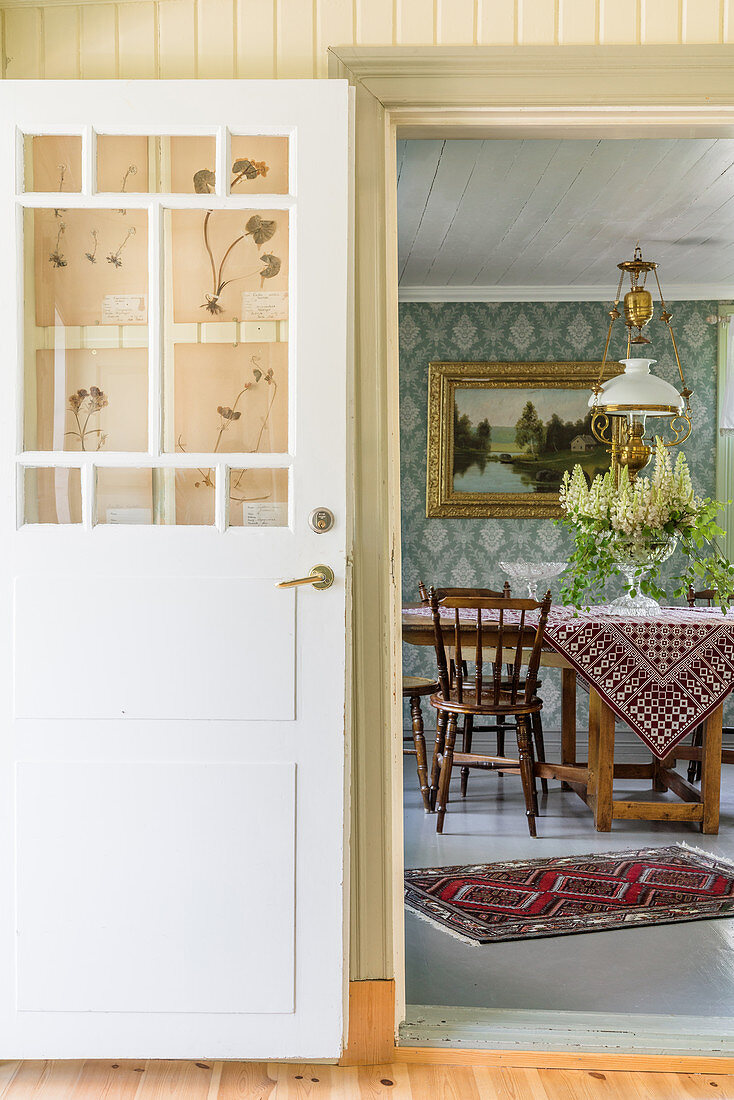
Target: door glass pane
{"points": [[229, 399], [258, 498], [228, 264], [88, 399], [147, 165], [89, 267], [52, 496], [52, 162], [259, 165], [145, 496]]}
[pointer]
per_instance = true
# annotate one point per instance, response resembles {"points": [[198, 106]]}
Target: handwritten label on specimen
{"points": [[129, 515], [124, 309], [271, 514], [264, 305]]}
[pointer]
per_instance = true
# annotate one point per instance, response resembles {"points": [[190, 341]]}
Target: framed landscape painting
{"points": [[501, 435]]}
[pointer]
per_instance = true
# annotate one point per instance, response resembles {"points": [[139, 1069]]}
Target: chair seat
{"points": [[418, 685], [487, 705]]}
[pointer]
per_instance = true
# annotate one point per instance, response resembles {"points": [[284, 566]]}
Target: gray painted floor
{"points": [[685, 969]]}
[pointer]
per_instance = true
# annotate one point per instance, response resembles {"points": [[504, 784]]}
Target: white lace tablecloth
{"points": [[662, 675]]}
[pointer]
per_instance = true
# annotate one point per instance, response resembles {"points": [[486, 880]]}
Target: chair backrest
{"points": [[441, 593], [526, 639], [710, 595]]}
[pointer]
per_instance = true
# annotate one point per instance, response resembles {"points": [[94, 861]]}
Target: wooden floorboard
{"points": [[160, 1080]]}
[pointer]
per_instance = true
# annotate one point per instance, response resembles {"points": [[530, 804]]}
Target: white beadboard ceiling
{"points": [[549, 220]]}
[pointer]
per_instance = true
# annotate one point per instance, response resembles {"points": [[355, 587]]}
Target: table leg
{"points": [[568, 719], [594, 720], [604, 769], [711, 771]]}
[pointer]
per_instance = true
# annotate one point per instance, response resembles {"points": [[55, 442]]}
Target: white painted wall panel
{"points": [[61, 43], [455, 22], [99, 50], [161, 670], [139, 838], [255, 39], [215, 57], [137, 32], [497, 23], [177, 40], [416, 22], [289, 38]]}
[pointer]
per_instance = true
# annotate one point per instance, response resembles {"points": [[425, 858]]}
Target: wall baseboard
{"points": [[371, 1035]]}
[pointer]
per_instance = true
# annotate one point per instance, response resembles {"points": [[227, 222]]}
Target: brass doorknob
{"points": [[321, 576]]}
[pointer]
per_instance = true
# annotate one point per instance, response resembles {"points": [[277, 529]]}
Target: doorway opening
{"points": [[507, 253]]}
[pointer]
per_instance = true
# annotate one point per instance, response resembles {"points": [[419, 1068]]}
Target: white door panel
{"points": [[172, 746], [155, 892], [164, 648]]}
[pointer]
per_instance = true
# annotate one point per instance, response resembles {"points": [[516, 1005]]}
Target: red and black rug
{"points": [[488, 902]]}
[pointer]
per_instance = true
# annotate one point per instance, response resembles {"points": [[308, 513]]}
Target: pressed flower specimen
{"points": [[230, 414], [115, 257], [131, 171], [92, 254], [83, 405], [245, 169], [56, 256], [259, 230], [62, 172]]}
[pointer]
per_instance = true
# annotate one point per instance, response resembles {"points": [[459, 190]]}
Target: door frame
{"points": [[461, 92]]}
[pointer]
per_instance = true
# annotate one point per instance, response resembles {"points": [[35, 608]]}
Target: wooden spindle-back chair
{"points": [[469, 726], [506, 629]]}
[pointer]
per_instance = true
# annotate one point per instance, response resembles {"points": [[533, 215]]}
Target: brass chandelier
{"points": [[621, 405]]}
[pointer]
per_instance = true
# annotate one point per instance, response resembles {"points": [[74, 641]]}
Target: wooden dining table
{"points": [[593, 779]]}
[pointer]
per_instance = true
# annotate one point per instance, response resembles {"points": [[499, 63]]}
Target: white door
{"points": [[173, 310]]}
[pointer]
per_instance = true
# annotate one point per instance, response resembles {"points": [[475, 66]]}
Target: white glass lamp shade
{"points": [[637, 391]]}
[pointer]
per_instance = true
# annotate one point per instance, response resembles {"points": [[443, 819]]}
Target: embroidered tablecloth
{"points": [[662, 676]]}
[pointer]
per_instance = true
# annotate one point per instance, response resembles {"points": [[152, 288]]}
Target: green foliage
{"points": [[637, 521], [529, 430]]}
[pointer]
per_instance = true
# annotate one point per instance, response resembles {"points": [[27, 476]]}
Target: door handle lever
{"points": [[321, 576]]}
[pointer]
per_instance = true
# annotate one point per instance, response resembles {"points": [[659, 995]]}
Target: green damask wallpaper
{"points": [[465, 551]]}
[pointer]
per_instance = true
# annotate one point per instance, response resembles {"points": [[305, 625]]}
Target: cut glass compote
{"points": [[531, 573]]}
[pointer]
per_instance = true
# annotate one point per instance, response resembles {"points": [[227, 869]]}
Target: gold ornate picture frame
{"points": [[499, 433]]}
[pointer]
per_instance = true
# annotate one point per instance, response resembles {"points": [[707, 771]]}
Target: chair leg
{"points": [[500, 737], [437, 751], [527, 771], [694, 766], [466, 747], [539, 746], [420, 749], [447, 761]]}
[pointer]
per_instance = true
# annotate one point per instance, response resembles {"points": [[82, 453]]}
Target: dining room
{"points": [[566, 474]]}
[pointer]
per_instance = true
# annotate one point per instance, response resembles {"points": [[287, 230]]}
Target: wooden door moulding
{"points": [[518, 91], [542, 76], [371, 1014]]}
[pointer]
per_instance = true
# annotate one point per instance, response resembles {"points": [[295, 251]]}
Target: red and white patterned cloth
{"points": [[662, 676]]}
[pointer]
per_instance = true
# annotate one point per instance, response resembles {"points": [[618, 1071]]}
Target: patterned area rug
{"points": [[488, 902]]}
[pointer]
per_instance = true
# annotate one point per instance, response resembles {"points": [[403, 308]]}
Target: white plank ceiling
{"points": [[549, 220]]}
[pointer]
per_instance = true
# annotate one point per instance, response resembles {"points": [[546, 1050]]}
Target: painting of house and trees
{"points": [[521, 440]]}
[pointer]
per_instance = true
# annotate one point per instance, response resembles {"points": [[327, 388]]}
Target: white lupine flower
{"points": [[633, 506]]}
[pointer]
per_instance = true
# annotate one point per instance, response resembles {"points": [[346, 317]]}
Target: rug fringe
{"points": [[442, 928], [703, 852]]}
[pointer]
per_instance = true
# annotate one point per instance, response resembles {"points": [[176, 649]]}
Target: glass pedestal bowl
{"points": [[635, 562], [532, 573]]}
